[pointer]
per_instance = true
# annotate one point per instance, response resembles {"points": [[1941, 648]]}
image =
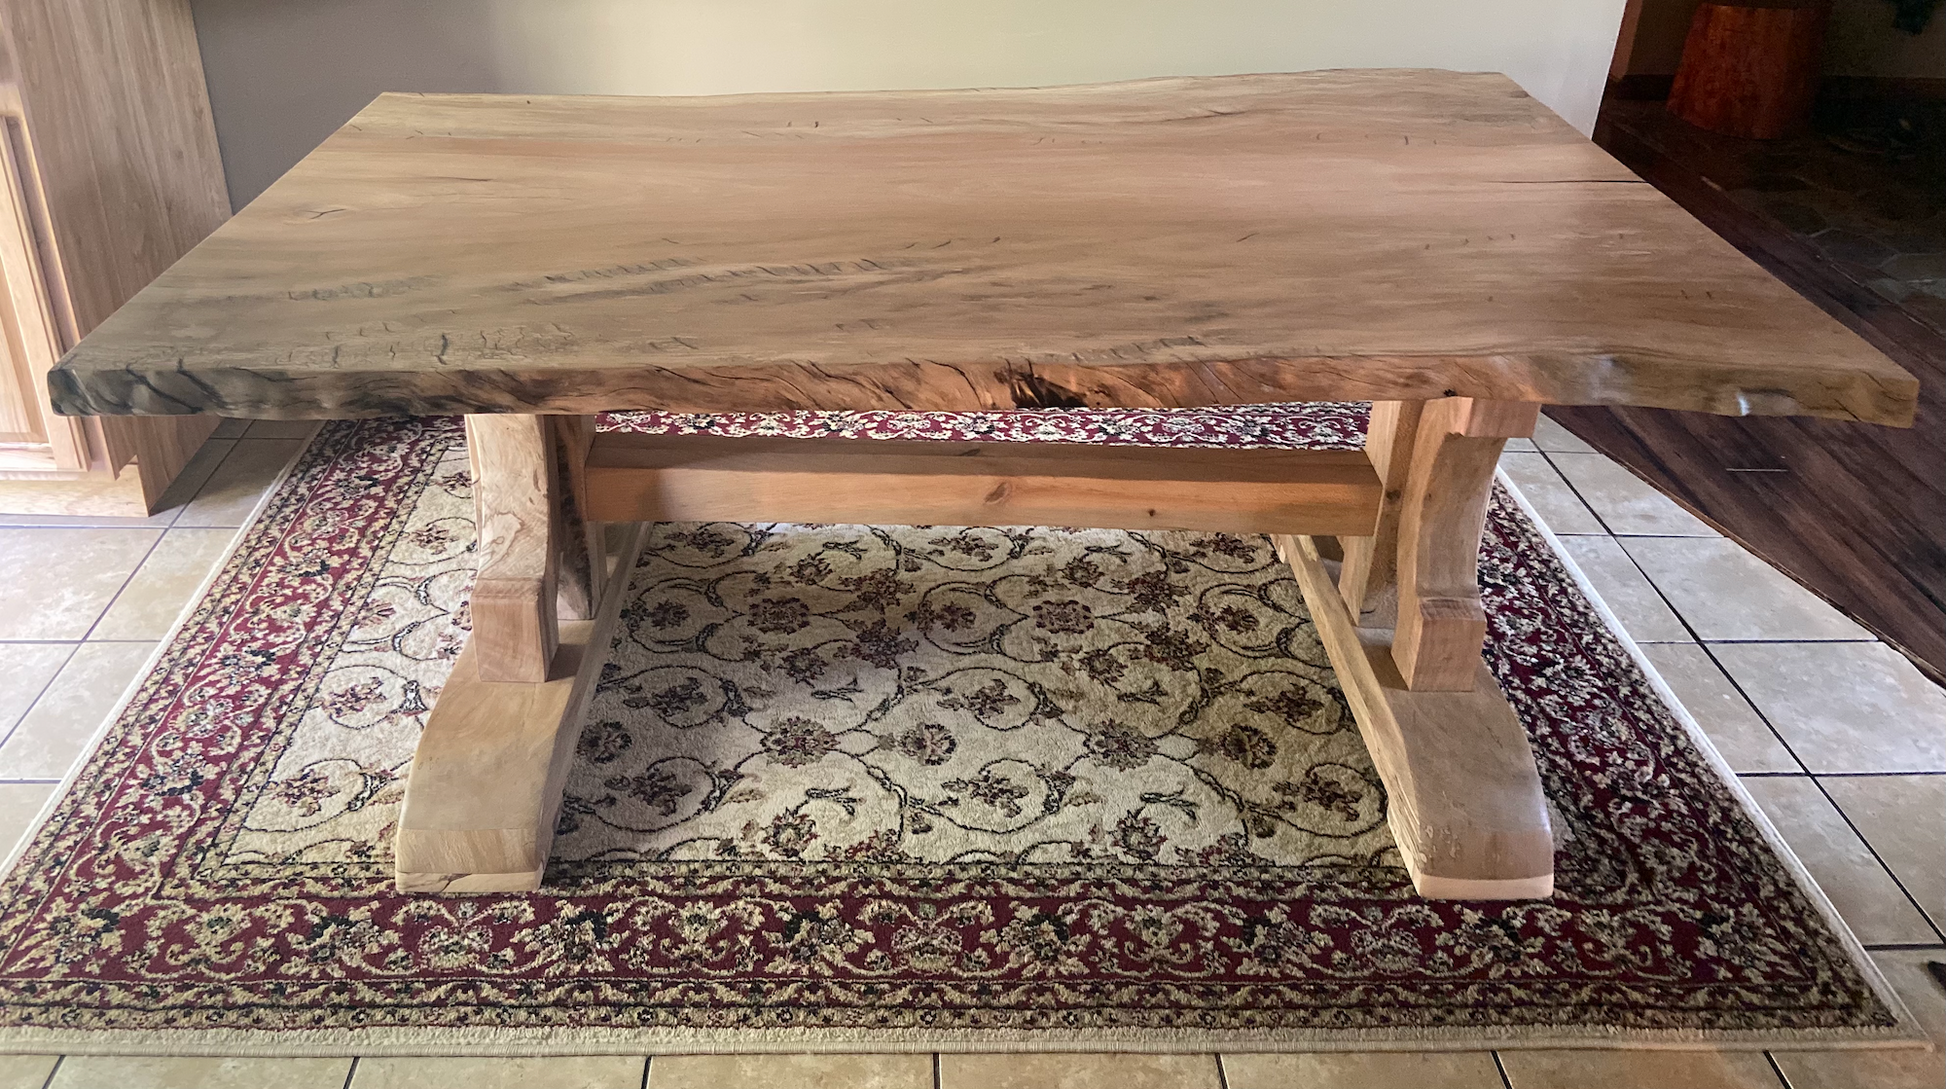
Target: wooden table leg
{"points": [[486, 781], [1465, 798]]}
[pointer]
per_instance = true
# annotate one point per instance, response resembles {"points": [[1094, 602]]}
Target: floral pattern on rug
{"points": [[1017, 695], [222, 862], [1324, 425]]}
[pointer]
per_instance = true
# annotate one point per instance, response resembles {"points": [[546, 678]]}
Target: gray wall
{"points": [[284, 73]]}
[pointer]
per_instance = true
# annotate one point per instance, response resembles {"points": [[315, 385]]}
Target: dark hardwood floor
{"points": [[1856, 513]]}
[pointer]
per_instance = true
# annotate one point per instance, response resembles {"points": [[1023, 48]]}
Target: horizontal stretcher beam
{"points": [[702, 478]]}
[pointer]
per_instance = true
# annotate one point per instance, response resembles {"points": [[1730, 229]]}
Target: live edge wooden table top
{"points": [[1437, 243]]}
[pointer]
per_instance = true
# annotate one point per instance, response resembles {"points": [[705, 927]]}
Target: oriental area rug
{"points": [[884, 788]]}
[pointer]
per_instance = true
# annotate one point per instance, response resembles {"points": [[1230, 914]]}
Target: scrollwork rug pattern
{"points": [[856, 787]]}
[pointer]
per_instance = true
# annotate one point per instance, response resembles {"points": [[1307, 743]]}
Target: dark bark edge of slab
{"points": [[85, 386]]}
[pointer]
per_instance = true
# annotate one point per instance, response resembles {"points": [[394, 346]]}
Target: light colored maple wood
{"points": [[486, 780], [111, 172], [33, 338], [1368, 580], [1441, 625], [516, 496], [680, 478], [1391, 235], [1463, 796], [581, 571]]}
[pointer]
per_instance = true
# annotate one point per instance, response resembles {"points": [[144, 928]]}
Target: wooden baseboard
{"points": [[75, 495]]}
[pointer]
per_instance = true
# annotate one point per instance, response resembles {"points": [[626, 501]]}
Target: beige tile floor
{"points": [[1839, 739]]}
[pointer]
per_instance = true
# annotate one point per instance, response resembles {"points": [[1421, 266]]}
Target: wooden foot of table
{"points": [[486, 780], [1464, 796], [1402, 622], [487, 777]]}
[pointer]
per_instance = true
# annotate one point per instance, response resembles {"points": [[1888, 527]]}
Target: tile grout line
{"points": [[117, 596], [29, 709], [1783, 1079], [1500, 1068], [1222, 1075], [351, 1072], [937, 1076], [1697, 640], [1925, 916], [53, 1070], [1582, 499], [1931, 924], [648, 1061], [1837, 774]]}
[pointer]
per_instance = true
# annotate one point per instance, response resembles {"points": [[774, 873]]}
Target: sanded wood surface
{"points": [[487, 777], [700, 478], [1441, 625], [516, 496], [1369, 578], [1463, 796], [1394, 235]]}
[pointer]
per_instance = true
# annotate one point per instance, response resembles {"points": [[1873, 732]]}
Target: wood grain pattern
{"points": [[684, 478], [1393, 235], [486, 781], [579, 539], [1369, 577], [1463, 795], [516, 497], [112, 163], [1441, 624], [1858, 514]]}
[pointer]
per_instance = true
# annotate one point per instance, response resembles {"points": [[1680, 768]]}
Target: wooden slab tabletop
{"points": [[1319, 236]]}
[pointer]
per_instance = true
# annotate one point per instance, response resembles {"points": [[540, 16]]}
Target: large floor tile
{"points": [[1844, 707], [1643, 613], [55, 583], [1626, 503], [791, 1071], [58, 727], [1867, 898], [156, 594], [1733, 726], [553, 1072], [1905, 970], [25, 1071], [25, 669], [1727, 593], [66, 510], [1078, 1071], [1903, 817], [20, 803], [1552, 437], [1550, 496], [280, 429], [110, 1072], [239, 482], [1362, 1070], [1639, 1069]]}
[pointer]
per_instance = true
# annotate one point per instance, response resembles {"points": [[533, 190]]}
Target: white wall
{"points": [[284, 73]]}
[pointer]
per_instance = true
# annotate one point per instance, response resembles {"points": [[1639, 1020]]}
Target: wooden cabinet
{"points": [[108, 172]]}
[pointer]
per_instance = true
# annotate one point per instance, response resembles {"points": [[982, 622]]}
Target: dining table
{"points": [[1437, 243]]}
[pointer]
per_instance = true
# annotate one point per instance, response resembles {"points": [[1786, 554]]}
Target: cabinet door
{"points": [[32, 340]]}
